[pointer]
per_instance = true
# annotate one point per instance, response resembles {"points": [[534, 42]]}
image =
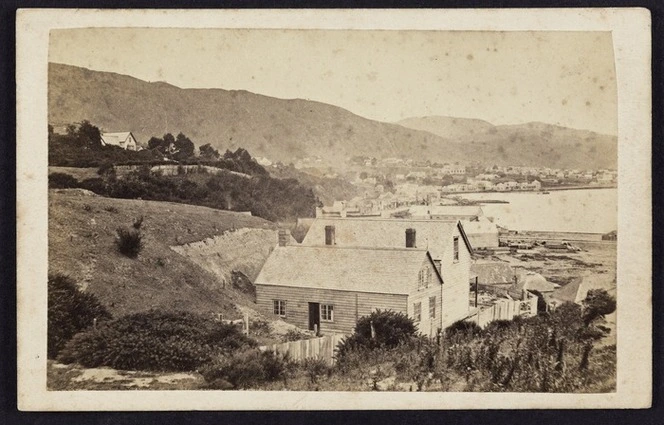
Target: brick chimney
{"points": [[410, 238], [437, 263], [284, 237]]}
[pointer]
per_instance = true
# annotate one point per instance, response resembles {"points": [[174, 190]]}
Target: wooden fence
{"points": [[322, 348], [505, 310]]}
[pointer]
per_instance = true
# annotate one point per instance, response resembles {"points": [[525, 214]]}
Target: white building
{"points": [[125, 140]]}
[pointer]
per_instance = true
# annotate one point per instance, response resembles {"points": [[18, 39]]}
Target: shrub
{"points": [[111, 210], [106, 167], [296, 335], [245, 369], [315, 367], [464, 328], [130, 242], [598, 303], [69, 312], [95, 185], [61, 181], [391, 328], [154, 340], [259, 327], [138, 223]]}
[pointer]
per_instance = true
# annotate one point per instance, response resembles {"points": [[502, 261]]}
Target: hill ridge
{"points": [[288, 129]]}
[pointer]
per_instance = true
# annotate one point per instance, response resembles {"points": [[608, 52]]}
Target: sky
{"points": [[563, 78]]}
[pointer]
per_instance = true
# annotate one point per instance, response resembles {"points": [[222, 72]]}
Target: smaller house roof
{"points": [[531, 281], [493, 273], [375, 270], [577, 290], [481, 226]]}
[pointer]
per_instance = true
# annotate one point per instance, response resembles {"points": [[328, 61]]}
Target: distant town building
{"points": [[453, 169], [446, 212]]}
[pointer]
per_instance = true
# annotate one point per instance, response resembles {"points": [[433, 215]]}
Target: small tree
{"points": [[129, 241]]}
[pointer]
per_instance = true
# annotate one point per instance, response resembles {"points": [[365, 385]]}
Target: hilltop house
{"points": [[328, 288], [445, 241], [125, 140]]}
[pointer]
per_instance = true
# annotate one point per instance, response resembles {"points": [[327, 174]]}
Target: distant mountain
{"points": [[532, 143], [286, 129], [452, 127]]}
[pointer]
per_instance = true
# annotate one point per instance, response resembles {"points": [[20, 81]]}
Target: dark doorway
{"points": [[314, 316]]}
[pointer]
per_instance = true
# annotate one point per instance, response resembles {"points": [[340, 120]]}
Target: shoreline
{"points": [[544, 189]]}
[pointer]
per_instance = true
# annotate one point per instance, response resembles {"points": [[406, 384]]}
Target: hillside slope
{"points": [[279, 129], [82, 245], [286, 129], [536, 144]]}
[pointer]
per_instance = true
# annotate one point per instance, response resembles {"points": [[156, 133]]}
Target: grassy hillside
{"points": [[530, 144], [82, 245]]}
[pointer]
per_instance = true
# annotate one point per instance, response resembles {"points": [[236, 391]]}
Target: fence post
{"points": [[246, 324], [94, 323]]}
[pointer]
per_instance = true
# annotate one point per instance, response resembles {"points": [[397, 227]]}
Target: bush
{"points": [[598, 303], [315, 368], [69, 312], [138, 223], [391, 329], [463, 327], [61, 181], [296, 335], [246, 369], [130, 242], [154, 340]]}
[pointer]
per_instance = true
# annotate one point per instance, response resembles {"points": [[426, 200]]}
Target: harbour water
{"points": [[584, 210]]}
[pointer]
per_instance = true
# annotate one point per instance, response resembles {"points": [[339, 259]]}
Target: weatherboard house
{"points": [[125, 140], [346, 268]]}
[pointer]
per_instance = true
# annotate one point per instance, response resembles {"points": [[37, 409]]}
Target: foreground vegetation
{"points": [[555, 352]]}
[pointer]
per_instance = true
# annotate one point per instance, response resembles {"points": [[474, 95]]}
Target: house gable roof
{"points": [[116, 138], [432, 235], [374, 270]]}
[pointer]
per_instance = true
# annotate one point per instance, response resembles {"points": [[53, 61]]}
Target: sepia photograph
{"points": [[338, 208]]}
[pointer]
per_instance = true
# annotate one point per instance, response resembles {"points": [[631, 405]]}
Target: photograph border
{"points": [[631, 35]]}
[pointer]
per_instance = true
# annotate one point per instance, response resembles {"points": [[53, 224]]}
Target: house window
{"points": [[279, 308], [327, 312], [417, 312], [456, 248], [432, 307], [424, 278]]}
